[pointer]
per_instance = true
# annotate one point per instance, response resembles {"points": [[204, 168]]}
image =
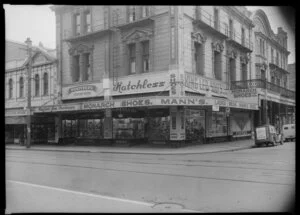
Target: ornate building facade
{"points": [[161, 73], [43, 91]]}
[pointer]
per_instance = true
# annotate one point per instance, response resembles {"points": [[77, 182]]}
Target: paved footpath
{"points": [[144, 149]]}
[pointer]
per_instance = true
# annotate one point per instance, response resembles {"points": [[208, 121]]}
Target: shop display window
{"points": [[70, 128], [217, 124], [43, 132], [129, 128], [159, 128], [195, 124], [91, 128]]}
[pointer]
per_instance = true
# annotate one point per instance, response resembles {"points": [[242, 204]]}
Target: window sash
{"points": [[46, 85], [21, 83], [37, 85], [10, 85], [88, 21], [132, 14]]}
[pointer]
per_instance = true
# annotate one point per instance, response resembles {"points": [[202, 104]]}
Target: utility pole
{"points": [[29, 49], [266, 100]]}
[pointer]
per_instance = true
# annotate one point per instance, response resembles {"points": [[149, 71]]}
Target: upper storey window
{"points": [[262, 47], [10, 88], [132, 58], [37, 85], [216, 18], [145, 46], [145, 11], [132, 13], [87, 21], [77, 24], [21, 83]]}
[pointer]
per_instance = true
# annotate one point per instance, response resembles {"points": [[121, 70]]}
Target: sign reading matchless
{"points": [[82, 91], [141, 83]]}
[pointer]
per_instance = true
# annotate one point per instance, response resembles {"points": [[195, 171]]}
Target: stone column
{"points": [[58, 127]]}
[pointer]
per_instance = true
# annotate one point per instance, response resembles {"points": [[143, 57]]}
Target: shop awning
{"points": [[157, 101], [15, 120]]}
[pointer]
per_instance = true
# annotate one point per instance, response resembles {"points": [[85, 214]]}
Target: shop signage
{"points": [[182, 101], [143, 84], [82, 91], [215, 108], [55, 108], [196, 83], [140, 83], [18, 112], [252, 92], [173, 84], [98, 105], [136, 102]]}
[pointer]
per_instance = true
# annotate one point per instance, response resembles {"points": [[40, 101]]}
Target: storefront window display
{"points": [[91, 128], [128, 128], [217, 125], [158, 124], [43, 132], [70, 128], [195, 124]]}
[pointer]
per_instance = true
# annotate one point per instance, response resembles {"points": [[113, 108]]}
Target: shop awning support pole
{"points": [[28, 142]]}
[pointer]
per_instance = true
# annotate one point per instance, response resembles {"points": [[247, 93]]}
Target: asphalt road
{"points": [[253, 180]]}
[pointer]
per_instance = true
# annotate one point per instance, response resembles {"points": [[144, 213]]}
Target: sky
{"points": [[38, 23]]}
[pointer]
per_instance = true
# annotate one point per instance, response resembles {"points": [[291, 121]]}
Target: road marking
{"points": [[82, 193], [91, 195]]}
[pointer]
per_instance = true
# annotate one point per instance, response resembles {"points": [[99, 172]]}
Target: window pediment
{"points": [[137, 35], [198, 37], [80, 48]]}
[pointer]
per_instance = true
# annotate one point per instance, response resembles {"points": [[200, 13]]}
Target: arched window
{"points": [[10, 90], [46, 84], [21, 83], [37, 85]]}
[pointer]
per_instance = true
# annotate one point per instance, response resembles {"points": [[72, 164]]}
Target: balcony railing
{"points": [[260, 83], [69, 34], [243, 41], [204, 17]]}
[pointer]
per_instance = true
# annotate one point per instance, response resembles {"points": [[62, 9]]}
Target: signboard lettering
{"points": [[136, 102], [173, 84], [244, 92], [203, 85], [120, 87], [99, 105]]}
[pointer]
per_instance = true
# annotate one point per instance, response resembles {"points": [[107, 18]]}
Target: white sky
{"points": [[38, 23]]}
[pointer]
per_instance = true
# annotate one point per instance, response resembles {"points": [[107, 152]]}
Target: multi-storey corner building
{"points": [[161, 73], [43, 91], [268, 84]]}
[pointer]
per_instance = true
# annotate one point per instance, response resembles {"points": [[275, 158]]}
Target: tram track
{"points": [[150, 172]]}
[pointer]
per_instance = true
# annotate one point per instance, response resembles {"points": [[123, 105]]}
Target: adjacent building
{"points": [[43, 92], [268, 83]]}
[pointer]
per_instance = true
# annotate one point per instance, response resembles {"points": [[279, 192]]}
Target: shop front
{"points": [[15, 129], [152, 120]]}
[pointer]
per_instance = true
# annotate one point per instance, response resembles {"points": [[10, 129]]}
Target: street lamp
{"points": [[29, 49]]}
